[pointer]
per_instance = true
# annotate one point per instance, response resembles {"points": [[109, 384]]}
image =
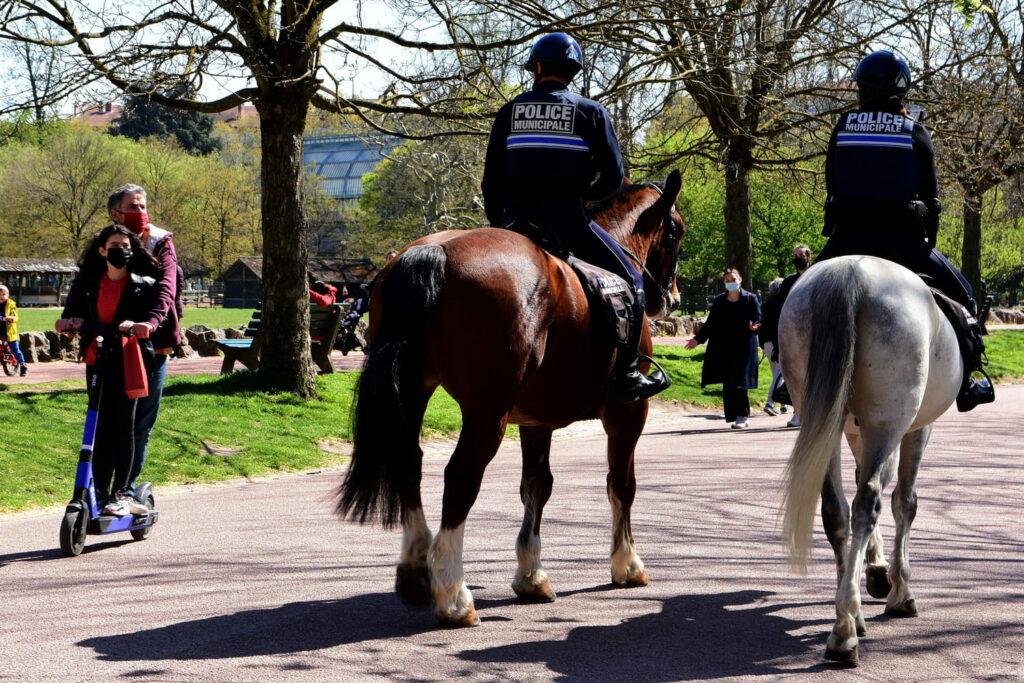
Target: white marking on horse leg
{"points": [[416, 538], [627, 567], [453, 603], [531, 581], [412, 580]]}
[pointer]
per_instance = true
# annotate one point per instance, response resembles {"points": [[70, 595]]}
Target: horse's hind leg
{"points": [[875, 574], [900, 601], [531, 582], [412, 581], [835, 513], [623, 423], [478, 442], [879, 450]]}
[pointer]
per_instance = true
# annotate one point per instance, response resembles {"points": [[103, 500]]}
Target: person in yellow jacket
{"points": [[9, 320]]}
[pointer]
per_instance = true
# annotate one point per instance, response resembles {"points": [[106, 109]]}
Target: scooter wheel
{"points": [[143, 534], [72, 533]]}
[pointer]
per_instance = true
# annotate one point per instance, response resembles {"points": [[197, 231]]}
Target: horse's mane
{"points": [[621, 195], [616, 208]]}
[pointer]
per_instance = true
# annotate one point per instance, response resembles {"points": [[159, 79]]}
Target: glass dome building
{"points": [[341, 161]]}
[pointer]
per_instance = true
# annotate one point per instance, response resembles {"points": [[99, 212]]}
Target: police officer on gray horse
{"points": [[883, 200], [550, 151]]}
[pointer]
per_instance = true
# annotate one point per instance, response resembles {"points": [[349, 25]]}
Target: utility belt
{"points": [[880, 215]]}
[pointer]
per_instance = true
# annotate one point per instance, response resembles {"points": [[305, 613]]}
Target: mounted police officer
{"points": [[549, 152], [883, 199]]}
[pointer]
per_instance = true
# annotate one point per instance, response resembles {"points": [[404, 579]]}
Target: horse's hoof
{"points": [[470, 618], [845, 657], [907, 609], [862, 629], [412, 583], [534, 593], [632, 580], [877, 581]]}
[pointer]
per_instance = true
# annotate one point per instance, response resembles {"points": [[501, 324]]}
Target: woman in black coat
{"points": [[731, 359], [115, 292]]}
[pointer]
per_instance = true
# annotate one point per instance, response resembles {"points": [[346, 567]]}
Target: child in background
{"points": [[9, 326]]}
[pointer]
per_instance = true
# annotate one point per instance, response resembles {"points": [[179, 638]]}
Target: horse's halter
{"points": [[669, 228]]}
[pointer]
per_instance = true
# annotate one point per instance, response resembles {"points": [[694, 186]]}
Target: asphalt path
{"points": [[257, 580]]}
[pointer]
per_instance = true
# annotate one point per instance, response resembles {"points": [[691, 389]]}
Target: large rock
{"points": [[1007, 316], [35, 346], [201, 339], [672, 326], [63, 346]]}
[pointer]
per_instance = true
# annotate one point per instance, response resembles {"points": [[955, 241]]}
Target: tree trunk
{"points": [[970, 252], [738, 162], [285, 362]]}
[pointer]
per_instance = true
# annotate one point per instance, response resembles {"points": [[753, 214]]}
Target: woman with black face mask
{"points": [[114, 292]]}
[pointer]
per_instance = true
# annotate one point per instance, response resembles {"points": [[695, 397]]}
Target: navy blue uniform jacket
{"points": [[549, 150]]}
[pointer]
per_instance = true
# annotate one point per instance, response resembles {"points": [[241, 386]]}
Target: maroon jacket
{"points": [[168, 291]]}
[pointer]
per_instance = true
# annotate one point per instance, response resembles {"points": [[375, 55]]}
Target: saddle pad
{"points": [[610, 297]]}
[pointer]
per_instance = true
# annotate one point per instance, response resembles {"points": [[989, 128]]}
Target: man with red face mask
{"points": [[127, 207]]}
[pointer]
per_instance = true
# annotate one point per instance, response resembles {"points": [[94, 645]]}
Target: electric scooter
{"points": [[82, 516]]}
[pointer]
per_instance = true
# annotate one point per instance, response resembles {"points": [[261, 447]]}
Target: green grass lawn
{"points": [[214, 428], [42, 319], [211, 428]]}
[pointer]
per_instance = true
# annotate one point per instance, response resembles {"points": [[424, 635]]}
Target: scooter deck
{"points": [[109, 524]]}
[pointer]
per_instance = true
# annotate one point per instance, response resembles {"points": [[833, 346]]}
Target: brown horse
{"points": [[507, 330]]}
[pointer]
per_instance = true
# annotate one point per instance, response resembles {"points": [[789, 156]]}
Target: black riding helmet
{"points": [[883, 72], [559, 49]]}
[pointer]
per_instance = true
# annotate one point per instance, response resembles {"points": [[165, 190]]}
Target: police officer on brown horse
{"points": [[883, 200], [550, 151]]}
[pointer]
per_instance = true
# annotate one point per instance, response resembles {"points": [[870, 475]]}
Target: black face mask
{"points": [[119, 256], [801, 263]]}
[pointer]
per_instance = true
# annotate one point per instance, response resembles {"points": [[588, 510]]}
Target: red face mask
{"points": [[136, 221]]}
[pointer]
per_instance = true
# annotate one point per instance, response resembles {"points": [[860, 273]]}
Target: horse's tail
{"points": [[389, 402], [834, 302]]}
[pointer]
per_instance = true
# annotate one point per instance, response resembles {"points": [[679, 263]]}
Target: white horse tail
{"points": [[833, 298]]}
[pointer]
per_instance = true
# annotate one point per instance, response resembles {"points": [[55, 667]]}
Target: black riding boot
{"points": [[975, 390], [628, 383]]}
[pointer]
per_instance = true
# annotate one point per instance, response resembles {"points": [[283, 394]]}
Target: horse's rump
{"points": [[519, 316]]}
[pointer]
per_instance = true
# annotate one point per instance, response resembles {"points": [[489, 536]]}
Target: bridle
{"points": [[669, 228]]}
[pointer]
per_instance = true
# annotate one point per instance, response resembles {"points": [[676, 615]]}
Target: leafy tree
{"points": [[56, 195], [142, 118], [165, 51]]}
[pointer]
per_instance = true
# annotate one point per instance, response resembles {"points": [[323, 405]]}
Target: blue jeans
{"points": [[145, 417], [16, 352]]}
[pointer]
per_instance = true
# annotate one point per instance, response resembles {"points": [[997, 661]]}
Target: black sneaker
{"points": [[24, 369]]}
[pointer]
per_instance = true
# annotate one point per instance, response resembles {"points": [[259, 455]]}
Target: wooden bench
{"points": [[323, 328]]}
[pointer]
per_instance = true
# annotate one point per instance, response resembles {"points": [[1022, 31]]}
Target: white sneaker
{"points": [[740, 423], [116, 508], [794, 422], [784, 409]]}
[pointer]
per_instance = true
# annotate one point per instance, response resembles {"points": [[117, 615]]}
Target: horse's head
{"points": [[644, 219]]}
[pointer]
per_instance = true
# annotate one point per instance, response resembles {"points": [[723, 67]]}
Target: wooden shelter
{"points": [[37, 282], [243, 279]]}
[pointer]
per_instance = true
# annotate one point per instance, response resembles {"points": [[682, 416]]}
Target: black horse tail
{"points": [[389, 401], [836, 297]]}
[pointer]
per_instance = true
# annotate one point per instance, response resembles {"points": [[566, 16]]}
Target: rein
{"points": [[662, 289]]}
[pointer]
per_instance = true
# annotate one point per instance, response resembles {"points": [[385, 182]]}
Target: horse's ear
{"points": [[673, 186]]}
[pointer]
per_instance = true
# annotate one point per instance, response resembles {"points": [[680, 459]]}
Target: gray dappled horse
{"points": [[865, 352]]}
